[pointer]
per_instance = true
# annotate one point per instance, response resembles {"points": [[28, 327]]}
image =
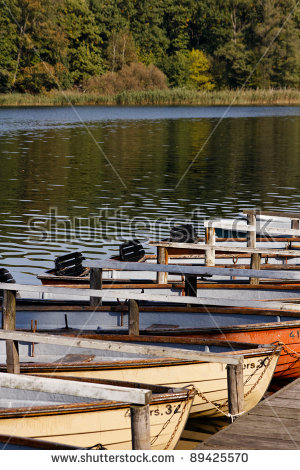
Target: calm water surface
{"points": [[87, 178]]}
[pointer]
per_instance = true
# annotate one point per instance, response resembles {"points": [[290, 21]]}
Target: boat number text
{"points": [[167, 410], [295, 334], [252, 365]]}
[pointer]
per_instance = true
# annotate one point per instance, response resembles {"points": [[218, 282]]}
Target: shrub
{"points": [[133, 77]]}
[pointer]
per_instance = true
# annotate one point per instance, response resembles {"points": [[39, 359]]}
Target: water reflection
{"points": [[198, 430], [126, 169]]}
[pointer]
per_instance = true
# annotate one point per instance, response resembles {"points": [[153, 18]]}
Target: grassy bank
{"points": [[177, 96]]}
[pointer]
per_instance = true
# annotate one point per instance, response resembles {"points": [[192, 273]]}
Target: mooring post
{"points": [[255, 264], [251, 235], [210, 239], [133, 318], [140, 427], [190, 287], [9, 323], [95, 283], [235, 389], [162, 258], [295, 225]]}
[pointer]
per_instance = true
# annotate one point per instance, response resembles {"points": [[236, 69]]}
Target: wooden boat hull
{"points": [[288, 366], [99, 424], [209, 379]]}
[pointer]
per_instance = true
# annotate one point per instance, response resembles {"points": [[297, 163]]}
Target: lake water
{"points": [[87, 178]]}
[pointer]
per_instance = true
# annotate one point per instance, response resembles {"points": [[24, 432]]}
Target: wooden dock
{"points": [[274, 424]]}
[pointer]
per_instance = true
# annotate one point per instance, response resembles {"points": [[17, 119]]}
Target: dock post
{"points": [[235, 389], [9, 323], [162, 258], [140, 427], [251, 236], [95, 283], [210, 239], [133, 318], [255, 264], [295, 225], [190, 287]]}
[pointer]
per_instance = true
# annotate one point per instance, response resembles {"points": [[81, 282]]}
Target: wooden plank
{"points": [[279, 412], [226, 248], [177, 299], [75, 388], [240, 226], [238, 442], [272, 424], [284, 214], [196, 270], [122, 347]]}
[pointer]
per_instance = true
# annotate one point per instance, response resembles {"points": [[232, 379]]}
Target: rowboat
{"points": [[209, 378], [66, 421]]}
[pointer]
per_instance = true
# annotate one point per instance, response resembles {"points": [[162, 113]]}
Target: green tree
{"points": [[8, 49], [199, 70], [121, 50], [277, 44], [84, 49]]}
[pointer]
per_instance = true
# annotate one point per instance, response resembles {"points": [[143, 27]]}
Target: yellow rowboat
{"points": [[209, 378], [65, 420]]}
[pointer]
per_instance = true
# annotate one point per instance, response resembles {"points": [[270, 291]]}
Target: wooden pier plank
{"points": [[272, 425]]}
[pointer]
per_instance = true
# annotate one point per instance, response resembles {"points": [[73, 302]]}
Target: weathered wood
{"points": [[288, 215], [210, 239], [177, 299], [194, 270], [162, 258], [140, 427], [76, 388], [133, 319], [198, 247], [9, 323], [240, 226], [77, 342], [95, 283], [272, 424], [255, 264], [9, 309], [295, 225], [251, 235], [235, 389]]}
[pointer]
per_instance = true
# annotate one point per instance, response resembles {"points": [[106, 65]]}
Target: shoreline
{"points": [[170, 97]]}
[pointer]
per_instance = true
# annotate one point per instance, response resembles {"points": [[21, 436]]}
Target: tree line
{"points": [[114, 45]]}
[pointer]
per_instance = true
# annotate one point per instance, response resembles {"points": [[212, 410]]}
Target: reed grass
{"points": [[175, 97]]}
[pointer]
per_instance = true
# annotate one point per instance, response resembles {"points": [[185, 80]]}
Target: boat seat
{"points": [[183, 234], [69, 265], [131, 251], [5, 276]]}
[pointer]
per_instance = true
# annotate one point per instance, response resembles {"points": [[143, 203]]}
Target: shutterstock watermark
{"points": [[114, 224], [108, 224]]}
